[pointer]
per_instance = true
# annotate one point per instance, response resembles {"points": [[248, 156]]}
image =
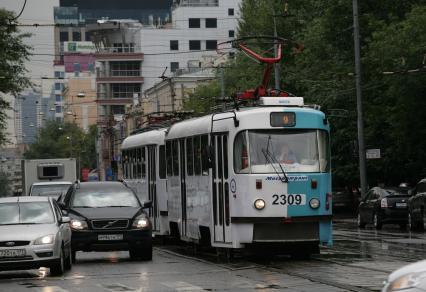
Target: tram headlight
{"points": [[259, 204], [314, 203]]}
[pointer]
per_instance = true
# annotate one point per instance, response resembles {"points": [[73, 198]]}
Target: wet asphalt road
{"points": [[360, 260]]}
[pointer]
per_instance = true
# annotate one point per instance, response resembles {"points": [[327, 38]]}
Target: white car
{"points": [[34, 234], [52, 189], [410, 278]]}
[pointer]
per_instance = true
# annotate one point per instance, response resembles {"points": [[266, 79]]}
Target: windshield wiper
{"points": [[271, 160]]}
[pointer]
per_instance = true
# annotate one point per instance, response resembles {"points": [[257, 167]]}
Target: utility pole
{"points": [[360, 120], [276, 65]]}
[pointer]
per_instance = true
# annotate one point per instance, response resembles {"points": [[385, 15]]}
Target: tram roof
{"points": [[153, 137], [202, 125]]}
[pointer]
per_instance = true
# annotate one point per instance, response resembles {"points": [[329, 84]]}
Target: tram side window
{"points": [[190, 155], [169, 158], [162, 162], [175, 151], [197, 155], [138, 163], [143, 162], [204, 155], [124, 163], [225, 157], [134, 164], [241, 161]]}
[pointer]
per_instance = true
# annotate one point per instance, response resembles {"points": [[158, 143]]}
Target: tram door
{"points": [[152, 188], [183, 185], [221, 212]]}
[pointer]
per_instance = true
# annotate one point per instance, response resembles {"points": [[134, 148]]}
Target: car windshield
{"points": [[293, 150], [49, 190], [26, 213], [105, 197]]}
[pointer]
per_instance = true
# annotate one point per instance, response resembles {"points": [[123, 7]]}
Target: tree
{"points": [[65, 140], [5, 189], [13, 54]]}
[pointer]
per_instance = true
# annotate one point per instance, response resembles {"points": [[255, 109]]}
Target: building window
{"points": [[125, 90], [174, 66], [58, 109], [91, 67], [211, 45], [57, 74], [63, 36], [117, 109], [195, 45], [58, 86], [77, 67], [211, 22], [58, 97], [123, 48], [230, 11], [126, 68], [194, 23], [88, 36], [174, 45], [231, 33], [76, 36]]}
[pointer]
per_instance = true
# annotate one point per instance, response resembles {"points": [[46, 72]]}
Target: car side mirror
{"points": [[147, 204], [65, 219], [61, 205]]}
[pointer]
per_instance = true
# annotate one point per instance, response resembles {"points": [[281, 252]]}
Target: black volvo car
{"points": [[107, 216]]}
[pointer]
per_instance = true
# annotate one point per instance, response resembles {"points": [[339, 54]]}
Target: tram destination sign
{"points": [[283, 119]]}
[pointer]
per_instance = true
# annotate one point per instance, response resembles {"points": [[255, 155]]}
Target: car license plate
{"points": [[12, 253], [401, 205], [110, 237]]}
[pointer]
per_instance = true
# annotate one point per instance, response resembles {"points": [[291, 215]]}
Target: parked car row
{"points": [[41, 231], [398, 205]]}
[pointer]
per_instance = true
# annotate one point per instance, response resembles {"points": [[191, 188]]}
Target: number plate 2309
{"points": [[289, 199]]}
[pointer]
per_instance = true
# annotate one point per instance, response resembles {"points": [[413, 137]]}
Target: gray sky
{"points": [[36, 11]]}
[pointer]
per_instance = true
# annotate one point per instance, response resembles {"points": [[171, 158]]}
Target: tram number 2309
{"points": [[289, 199]]}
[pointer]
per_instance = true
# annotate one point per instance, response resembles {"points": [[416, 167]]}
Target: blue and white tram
{"points": [[146, 175], [256, 176]]}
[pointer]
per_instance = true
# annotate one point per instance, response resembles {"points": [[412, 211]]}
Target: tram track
{"points": [[243, 264]]}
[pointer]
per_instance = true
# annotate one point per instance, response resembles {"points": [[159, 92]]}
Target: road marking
{"points": [[182, 286], [50, 289]]}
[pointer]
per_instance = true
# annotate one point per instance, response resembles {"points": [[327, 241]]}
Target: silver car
{"points": [[52, 189], [410, 278], [34, 234]]}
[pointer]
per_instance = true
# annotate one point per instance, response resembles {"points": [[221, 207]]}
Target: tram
{"points": [[258, 176], [143, 172], [223, 179]]}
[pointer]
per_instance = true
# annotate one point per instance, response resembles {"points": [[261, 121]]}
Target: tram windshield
{"points": [[290, 150]]}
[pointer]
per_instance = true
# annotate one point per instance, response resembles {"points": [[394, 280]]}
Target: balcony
{"points": [[127, 76], [118, 55], [103, 99]]}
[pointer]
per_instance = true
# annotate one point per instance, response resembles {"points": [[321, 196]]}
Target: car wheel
{"points": [[68, 261], [58, 268], [377, 221], [360, 223], [73, 256]]}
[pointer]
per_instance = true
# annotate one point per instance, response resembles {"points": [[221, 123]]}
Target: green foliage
{"points": [[393, 40], [13, 54], [5, 188], [65, 140]]}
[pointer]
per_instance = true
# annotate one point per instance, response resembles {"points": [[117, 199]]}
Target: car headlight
{"points": [[78, 224], [259, 204], [47, 239], [314, 203], [141, 222], [407, 281]]}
